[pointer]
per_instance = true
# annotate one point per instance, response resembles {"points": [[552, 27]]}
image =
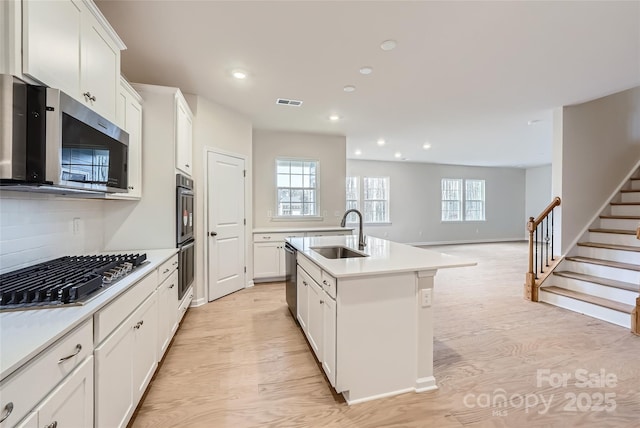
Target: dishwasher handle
{"points": [[289, 249]]}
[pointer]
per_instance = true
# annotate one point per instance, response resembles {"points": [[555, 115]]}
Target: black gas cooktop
{"points": [[69, 280]]}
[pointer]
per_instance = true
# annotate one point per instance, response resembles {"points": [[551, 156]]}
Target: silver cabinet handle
{"points": [[8, 408], [138, 325], [324, 281], [78, 349], [165, 271], [174, 263], [187, 165], [89, 96], [305, 283], [172, 285], [321, 301], [53, 424], [266, 237]]}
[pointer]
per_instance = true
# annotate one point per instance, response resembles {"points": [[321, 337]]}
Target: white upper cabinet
{"points": [[67, 44], [51, 43], [129, 118], [184, 135]]}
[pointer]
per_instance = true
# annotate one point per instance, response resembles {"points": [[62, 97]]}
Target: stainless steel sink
{"points": [[337, 252]]}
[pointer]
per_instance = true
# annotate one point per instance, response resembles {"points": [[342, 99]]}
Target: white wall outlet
{"points": [[425, 297]]}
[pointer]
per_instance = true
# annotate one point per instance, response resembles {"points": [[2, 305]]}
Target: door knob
{"points": [[213, 233]]}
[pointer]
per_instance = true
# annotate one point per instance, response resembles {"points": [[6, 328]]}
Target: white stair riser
{"points": [[631, 197], [635, 184], [625, 275], [625, 210], [598, 290], [595, 311], [614, 238], [608, 254], [618, 223]]}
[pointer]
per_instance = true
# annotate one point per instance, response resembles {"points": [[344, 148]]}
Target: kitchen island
{"points": [[368, 317]]}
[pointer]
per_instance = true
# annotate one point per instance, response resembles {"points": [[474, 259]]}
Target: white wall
{"points": [[600, 144], [328, 149], [538, 190], [219, 129], [37, 227], [415, 201]]}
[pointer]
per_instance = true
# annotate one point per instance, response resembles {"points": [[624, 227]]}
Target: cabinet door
{"points": [[266, 259], [167, 312], [145, 340], [31, 421], [100, 69], [51, 43], [302, 297], [71, 403], [184, 136], [114, 378], [329, 342], [315, 325]]}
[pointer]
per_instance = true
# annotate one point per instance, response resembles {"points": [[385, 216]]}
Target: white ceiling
{"points": [[465, 76]]}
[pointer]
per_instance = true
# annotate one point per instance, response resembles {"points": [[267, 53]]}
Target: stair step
{"points": [[598, 280], [606, 303], [602, 262], [617, 231], [609, 246], [622, 217]]}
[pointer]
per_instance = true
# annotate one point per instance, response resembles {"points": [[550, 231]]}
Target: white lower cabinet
{"points": [[125, 363], [329, 339], [70, 404], [302, 298], [267, 258], [167, 312], [315, 325]]}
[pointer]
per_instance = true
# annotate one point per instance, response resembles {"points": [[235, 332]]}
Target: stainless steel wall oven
{"points": [[185, 204]]}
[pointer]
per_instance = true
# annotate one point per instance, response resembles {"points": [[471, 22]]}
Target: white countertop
{"points": [[384, 256], [24, 334], [299, 229]]}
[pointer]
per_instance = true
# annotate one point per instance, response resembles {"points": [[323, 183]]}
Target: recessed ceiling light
{"points": [[358, 152], [239, 74], [398, 155], [349, 88], [366, 70], [533, 121], [388, 45], [426, 146], [334, 117], [381, 142]]}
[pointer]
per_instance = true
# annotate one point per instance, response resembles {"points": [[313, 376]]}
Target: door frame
{"points": [[248, 234]]}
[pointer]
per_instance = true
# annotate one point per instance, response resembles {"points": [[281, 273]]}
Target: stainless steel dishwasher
{"points": [[291, 279]]}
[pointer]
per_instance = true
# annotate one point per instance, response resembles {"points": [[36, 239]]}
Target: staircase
{"points": [[600, 276]]}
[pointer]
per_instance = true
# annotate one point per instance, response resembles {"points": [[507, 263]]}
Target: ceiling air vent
{"points": [[286, 102]]}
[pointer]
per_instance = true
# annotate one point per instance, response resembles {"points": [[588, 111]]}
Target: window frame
{"points": [[463, 200], [316, 215], [360, 202]]}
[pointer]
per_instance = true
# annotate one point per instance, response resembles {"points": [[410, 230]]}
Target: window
{"points": [[297, 188], [375, 198], [455, 202]]}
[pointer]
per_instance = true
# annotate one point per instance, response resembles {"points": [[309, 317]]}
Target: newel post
{"points": [[530, 288]]}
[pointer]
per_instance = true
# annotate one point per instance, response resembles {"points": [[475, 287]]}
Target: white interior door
{"points": [[226, 218]]}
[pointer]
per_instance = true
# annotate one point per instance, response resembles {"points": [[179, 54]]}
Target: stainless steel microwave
{"points": [[49, 140]]}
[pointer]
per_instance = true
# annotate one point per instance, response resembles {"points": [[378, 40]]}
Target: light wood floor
{"points": [[242, 362]]}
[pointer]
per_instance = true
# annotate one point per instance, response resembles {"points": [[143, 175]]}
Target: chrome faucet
{"points": [[361, 243]]}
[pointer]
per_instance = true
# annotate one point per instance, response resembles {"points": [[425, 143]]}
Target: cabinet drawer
{"points": [[107, 319], [311, 268], [328, 284], [278, 237], [25, 388], [167, 268]]}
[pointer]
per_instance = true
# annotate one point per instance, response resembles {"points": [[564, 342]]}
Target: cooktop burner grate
{"points": [[63, 281]]}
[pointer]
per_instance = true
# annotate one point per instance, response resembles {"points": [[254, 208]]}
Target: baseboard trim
{"points": [[426, 384], [477, 241], [375, 397], [198, 302], [249, 284]]}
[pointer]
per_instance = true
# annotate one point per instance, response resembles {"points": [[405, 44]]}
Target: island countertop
{"points": [[383, 256]]}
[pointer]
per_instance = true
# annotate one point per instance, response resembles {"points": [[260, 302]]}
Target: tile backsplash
{"points": [[38, 227]]}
